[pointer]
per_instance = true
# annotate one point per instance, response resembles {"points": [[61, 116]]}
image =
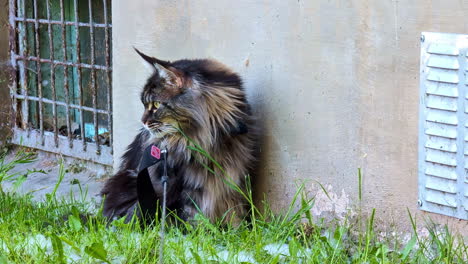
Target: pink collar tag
{"points": [[155, 152]]}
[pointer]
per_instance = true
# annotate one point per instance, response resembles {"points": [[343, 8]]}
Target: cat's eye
{"points": [[154, 105]]}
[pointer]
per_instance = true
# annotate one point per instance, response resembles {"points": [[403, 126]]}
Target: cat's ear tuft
{"points": [[163, 68], [150, 60], [155, 64]]}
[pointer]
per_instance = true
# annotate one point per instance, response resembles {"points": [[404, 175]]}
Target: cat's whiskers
{"points": [[159, 131], [153, 126]]}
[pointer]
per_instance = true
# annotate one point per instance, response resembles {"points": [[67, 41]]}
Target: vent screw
{"points": [[423, 38], [419, 203]]}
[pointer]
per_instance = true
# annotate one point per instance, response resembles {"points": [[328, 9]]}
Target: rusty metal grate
{"points": [[61, 87]]}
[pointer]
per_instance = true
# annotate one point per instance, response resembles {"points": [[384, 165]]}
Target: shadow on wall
{"points": [[258, 177]]}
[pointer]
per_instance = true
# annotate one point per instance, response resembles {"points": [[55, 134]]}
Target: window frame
{"points": [[92, 148]]}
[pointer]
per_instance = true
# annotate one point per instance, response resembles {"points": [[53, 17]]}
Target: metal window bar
{"points": [[39, 75], [93, 73], [52, 75], [61, 90], [66, 23], [77, 38], [108, 75], [22, 67]]}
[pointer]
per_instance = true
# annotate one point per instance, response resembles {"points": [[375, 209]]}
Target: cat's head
{"points": [[203, 98], [168, 97]]}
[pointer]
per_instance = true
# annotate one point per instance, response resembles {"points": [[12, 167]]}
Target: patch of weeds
{"points": [[22, 156], [6, 147], [31, 151], [75, 181], [76, 167]]}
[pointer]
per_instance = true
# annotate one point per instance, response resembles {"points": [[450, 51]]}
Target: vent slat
{"points": [[443, 62], [441, 171], [444, 49], [443, 144], [442, 117], [442, 89], [441, 157], [441, 130], [441, 102], [444, 76], [441, 198], [443, 185]]}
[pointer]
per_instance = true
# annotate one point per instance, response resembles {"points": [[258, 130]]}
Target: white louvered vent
{"points": [[443, 124]]}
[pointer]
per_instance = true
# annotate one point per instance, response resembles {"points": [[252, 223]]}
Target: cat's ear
{"points": [[162, 68]]}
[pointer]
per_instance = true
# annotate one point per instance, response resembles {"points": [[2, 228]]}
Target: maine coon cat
{"points": [[190, 102]]}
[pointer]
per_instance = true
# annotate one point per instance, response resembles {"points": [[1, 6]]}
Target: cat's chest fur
{"points": [[185, 169]]}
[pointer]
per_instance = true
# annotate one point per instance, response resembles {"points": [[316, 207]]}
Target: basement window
{"points": [[61, 89], [443, 123]]}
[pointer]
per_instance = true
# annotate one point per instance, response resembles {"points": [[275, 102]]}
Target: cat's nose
{"points": [[144, 118]]}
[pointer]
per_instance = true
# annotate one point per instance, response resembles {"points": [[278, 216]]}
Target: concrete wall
{"points": [[335, 83]]}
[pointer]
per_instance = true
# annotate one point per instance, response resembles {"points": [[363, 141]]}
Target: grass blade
{"points": [[408, 248], [58, 247], [97, 250]]}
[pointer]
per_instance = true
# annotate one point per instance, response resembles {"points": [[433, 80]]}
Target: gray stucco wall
{"points": [[334, 83]]}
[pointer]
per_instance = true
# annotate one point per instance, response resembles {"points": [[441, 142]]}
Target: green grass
{"points": [[63, 231]]}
